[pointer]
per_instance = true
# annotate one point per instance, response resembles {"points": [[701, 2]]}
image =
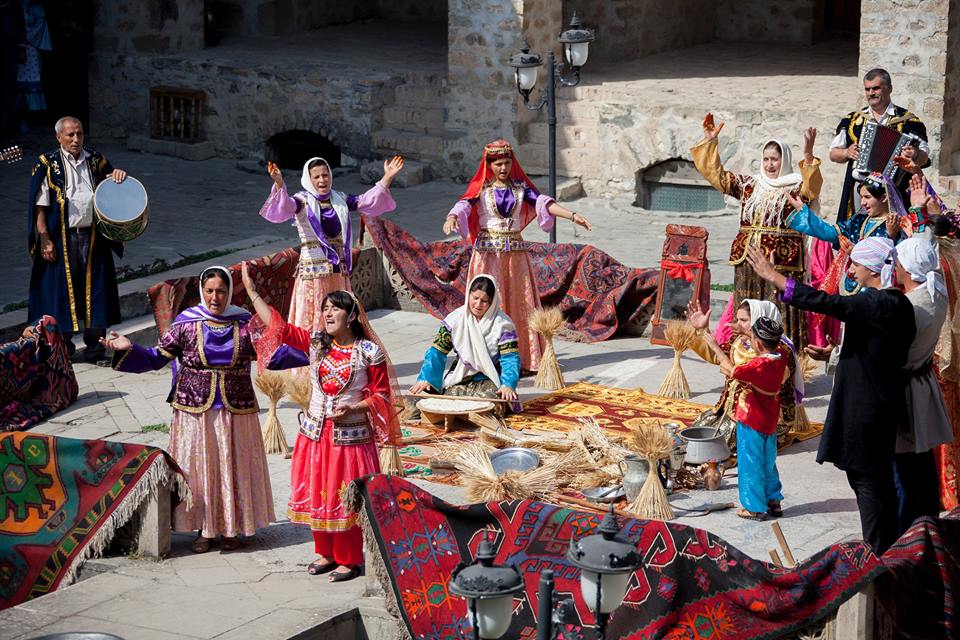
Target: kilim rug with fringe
{"points": [[61, 502]]}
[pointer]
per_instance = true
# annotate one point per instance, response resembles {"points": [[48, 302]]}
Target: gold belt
{"points": [[312, 268], [772, 231], [491, 240]]}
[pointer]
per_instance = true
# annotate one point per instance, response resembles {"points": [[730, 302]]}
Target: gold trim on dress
{"points": [[206, 405], [126, 354], [89, 274], [323, 524], [222, 385], [63, 232]]}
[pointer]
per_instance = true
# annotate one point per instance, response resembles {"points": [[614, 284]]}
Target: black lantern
{"points": [[489, 590], [576, 43]]}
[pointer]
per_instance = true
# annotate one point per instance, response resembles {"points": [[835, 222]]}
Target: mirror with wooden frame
{"points": [[684, 276]]}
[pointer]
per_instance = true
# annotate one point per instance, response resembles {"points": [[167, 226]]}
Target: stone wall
{"points": [[908, 38], [243, 108], [629, 29], [950, 135], [414, 10], [783, 21], [130, 26], [480, 98]]}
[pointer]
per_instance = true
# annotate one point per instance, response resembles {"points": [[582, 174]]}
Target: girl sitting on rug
{"points": [[758, 411], [484, 342], [498, 203], [351, 406], [793, 417], [215, 432]]}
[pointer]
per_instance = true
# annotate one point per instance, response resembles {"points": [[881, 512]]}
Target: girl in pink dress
{"points": [[322, 218], [498, 203]]}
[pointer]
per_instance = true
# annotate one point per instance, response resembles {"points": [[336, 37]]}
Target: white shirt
{"points": [[78, 191], [840, 141]]}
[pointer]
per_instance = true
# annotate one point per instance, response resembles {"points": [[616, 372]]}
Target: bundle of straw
{"points": [[390, 462], [547, 321], [300, 390], [272, 384], [653, 443], [808, 366], [680, 335], [484, 485]]}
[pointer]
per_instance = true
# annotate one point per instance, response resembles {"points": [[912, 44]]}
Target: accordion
{"points": [[877, 147]]}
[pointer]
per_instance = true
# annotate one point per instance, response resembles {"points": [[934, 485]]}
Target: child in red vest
{"points": [[758, 411]]}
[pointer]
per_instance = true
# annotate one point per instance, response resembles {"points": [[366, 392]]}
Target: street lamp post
{"points": [[576, 48], [605, 559]]}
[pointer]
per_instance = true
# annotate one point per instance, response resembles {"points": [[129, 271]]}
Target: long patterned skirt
{"points": [[319, 475], [222, 457], [518, 297], [948, 455]]}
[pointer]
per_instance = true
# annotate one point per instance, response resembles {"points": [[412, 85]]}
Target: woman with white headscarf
{"points": [[484, 341], [927, 426], [763, 212], [322, 218], [215, 432], [793, 417]]}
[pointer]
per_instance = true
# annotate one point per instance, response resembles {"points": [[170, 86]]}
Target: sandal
{"points": [[229, 544], [318, 567], [774, 510], [343, 576], [200, 545], [750, 515]]}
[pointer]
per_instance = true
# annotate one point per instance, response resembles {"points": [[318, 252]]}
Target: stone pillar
{"points": [[908, 38], [153, 539]]}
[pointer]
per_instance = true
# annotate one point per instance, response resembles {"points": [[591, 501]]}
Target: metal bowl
{"points": [[604, 494], [703, 445], [514, 459]]}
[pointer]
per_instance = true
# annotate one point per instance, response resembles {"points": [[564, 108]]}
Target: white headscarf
{"points": [[876, 254], [337, 201], [232, 310], [919, 258], [766, 309], [476, 340], [769, 195]]}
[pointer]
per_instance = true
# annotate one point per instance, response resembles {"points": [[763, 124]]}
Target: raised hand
{"points": [[892, 223], [274, 172], [392, 166], [710, 129], [696, 316], [451, 225], [116, 342], [809, 137], [248, 284]]}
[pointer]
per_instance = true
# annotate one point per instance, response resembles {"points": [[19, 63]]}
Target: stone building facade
{"points": [[429, 78]]}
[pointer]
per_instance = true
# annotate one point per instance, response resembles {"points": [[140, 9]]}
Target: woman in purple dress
{"points": [[215, 433]]}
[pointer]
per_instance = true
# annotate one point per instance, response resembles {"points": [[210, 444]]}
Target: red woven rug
{"points": [[692, 584]]}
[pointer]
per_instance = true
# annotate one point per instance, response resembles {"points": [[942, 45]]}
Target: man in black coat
{"points": [[867, 403]]}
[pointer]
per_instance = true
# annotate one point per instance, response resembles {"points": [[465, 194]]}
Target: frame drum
{"points": [[121, 208]]}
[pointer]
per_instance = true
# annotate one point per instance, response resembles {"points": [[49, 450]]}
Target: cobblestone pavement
{"points": [[263, 590]]}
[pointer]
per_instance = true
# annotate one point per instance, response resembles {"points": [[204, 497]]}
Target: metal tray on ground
{"points": [[514, 459]]}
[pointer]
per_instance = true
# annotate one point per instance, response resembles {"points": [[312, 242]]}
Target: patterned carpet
{"points": [[61, 501]]}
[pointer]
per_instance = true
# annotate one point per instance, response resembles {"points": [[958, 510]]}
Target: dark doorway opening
{"points": [[291, 149], [837, 19], [64, 70]]}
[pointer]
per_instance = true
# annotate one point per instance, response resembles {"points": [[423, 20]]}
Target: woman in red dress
{"points": [[351, 408]]}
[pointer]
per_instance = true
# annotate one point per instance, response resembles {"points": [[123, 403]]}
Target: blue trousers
{"points": [[759, 480]]}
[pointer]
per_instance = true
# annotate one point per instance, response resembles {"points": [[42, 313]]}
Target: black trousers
{"points": [[918, 487], [78, 250], [877, 502]]}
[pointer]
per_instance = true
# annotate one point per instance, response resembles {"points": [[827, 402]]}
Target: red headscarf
{"points": [[494, 151]]}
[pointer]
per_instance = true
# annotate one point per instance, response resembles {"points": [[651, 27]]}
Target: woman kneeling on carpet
{"points": [[485, 344], [351, 404], [215, 433], [758, 410], [793, 417]]}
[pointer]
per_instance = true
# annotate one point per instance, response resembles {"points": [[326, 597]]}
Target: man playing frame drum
{"points": [[73, 276]]}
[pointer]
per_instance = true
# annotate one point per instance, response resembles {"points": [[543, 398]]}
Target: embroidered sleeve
{"points": [[706, 157], [443, 341], [372, 353]]}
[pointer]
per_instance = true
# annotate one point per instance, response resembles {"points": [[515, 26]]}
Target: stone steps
{"points": [[414, 119]]}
